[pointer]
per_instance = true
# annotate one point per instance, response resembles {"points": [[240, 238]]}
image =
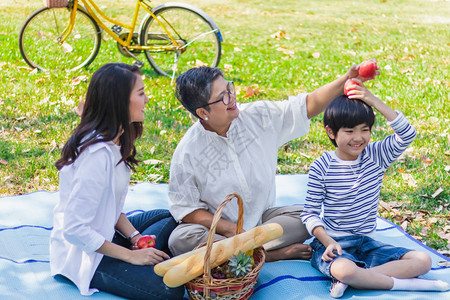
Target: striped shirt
{"points": [[343, 195]]}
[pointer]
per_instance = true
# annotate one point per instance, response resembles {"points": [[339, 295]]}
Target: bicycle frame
{"points": [[91, 6]]}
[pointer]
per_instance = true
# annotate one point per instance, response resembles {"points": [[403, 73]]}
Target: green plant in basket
{"points": [[240, 265], [237, 266]]}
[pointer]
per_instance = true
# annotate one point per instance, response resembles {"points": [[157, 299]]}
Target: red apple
{"points": [[347, 85], [146, 241], [368, 69]]}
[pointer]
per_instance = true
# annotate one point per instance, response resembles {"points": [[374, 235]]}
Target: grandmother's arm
{"points": [[205, 218], [318, 100]]}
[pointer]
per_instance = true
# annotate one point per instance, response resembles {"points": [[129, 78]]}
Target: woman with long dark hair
{"points": [[93, 243]]}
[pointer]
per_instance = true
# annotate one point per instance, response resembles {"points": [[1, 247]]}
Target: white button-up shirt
{"points": [[206, 167], [92, 195]]}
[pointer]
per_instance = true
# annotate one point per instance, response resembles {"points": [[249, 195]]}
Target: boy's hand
{"points": [[360, 91], [329, 254]]}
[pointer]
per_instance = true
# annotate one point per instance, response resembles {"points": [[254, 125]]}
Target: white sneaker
{"points": [[337, 288]]}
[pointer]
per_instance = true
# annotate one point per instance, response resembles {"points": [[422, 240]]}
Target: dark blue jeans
{"points": [[138, 282], [364, 251]]}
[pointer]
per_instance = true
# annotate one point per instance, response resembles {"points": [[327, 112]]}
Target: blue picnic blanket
{"points": [[26, 222]]}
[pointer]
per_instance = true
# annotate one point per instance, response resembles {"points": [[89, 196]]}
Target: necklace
{"points": [[354, 169]]}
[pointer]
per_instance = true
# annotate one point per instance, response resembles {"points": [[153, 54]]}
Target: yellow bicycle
{"points": [[174, 36]]}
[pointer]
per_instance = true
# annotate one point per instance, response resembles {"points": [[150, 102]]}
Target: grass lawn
{"points": [[279, 48]]}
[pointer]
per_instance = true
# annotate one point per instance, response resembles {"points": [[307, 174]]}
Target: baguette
{"points": [[179, 270], [161, 268]]}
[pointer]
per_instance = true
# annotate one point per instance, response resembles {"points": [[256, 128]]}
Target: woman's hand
{"points": [[329, 254], [134, 241], [147, 256]]}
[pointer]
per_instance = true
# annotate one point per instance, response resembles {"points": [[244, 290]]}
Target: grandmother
{"points": [[234, 148]]}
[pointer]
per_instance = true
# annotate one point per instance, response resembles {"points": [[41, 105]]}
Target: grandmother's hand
{"points": [[226, 228], [354, 73]]}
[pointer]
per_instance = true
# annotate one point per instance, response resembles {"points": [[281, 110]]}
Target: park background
{"points": [[271, 49]]}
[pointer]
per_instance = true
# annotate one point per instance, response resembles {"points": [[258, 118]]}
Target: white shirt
{"points": [[92, 195], [206, 167]]}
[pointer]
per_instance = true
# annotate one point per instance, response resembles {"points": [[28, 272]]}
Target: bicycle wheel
{"points": [[39, 40], [199, 38]]}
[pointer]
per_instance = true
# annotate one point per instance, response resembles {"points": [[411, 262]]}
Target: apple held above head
{"points": [[347, 85], [367, 69], [146, 241]]}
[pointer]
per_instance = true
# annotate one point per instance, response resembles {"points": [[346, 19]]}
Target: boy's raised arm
{"points": [[361, 92]]}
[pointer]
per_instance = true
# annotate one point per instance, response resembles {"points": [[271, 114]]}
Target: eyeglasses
{"points": [[226, 98]]}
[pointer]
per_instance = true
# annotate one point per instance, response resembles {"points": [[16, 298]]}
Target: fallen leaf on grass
{"points": [[426, 161], [67, 47], [404, 225], [155, 177], [79, 109], [407, 70], [444, 251], [152, 162], [384, 205], [412, 82], [432, 220], [446, 228], [445, 236], [424, 231], [251, 91], [228, 68], [409, 180], [288, 52], [444, 263], [199, 63], [437, 192], [78, 79], [418, 217], [417, 237], [3, 162], [281, 34]]}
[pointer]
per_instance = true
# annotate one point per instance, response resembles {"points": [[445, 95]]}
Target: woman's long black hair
{"points": [[106, 114]]}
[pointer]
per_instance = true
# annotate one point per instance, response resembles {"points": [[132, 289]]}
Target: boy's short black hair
{"points": [[343, 112]]}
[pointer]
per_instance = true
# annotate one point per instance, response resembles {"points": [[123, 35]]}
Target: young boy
{"points": [[347, 183]]}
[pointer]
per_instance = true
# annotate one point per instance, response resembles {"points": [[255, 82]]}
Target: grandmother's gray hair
{"points": [[193, 87]]}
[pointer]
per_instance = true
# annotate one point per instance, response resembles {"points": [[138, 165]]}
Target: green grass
{"points": [[410, 40]]}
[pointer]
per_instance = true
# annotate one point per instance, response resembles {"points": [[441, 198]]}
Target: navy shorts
{"points": [[363, 250]]}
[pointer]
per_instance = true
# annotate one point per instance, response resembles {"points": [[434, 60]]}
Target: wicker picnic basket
{"points": [[56, 3], [208, 287]]}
